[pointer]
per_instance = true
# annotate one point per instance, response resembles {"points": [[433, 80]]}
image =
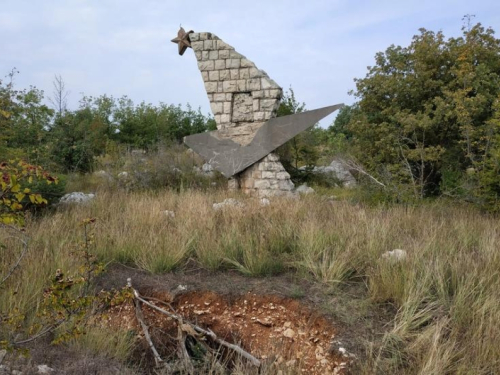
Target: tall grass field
{"points": [[445, 294]]}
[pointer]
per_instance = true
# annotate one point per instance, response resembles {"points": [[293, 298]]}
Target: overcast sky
{"points": [[122, 47]]}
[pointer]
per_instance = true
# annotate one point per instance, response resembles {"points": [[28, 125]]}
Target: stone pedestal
{"points": [[242, 98]]}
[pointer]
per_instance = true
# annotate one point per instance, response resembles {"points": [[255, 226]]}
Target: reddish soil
{"points": [[273, 329]]}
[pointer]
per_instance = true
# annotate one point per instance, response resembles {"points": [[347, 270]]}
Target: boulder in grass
{"points": [[76, 197], [396, 255], [304, 189], [229, 202]]}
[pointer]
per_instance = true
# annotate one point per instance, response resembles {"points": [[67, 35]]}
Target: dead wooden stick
{"points": [[254, 361], [183, 353], [140, 317]]}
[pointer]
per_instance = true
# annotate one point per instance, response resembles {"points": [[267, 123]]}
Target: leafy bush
{"points": [[16, 189], [428, 109]]}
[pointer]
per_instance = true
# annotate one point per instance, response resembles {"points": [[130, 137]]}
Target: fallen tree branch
{"points": [[140, 317], [351, 164], [38, 335], [237, 349], [183, 353]]}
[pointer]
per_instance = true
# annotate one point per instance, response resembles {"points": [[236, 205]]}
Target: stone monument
{"points": [[244, 101]]}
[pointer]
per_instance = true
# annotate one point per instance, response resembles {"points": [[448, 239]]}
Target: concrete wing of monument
{"points": [[230, 158]]}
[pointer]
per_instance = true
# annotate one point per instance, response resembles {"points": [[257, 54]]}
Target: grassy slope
{"points": [[447, 292]]}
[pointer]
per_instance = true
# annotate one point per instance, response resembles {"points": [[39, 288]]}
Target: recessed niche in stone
{"points": [[242, 110]]}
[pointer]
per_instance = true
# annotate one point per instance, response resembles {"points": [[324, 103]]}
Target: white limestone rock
{"points": [[228, 202], [396, 255], [170, 214], [264, 202], [207, 168], [338, 170], [76, 197], [44, 369], [304, 189]]}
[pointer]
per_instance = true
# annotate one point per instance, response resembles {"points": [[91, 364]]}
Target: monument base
{"points": [[266, 178]]}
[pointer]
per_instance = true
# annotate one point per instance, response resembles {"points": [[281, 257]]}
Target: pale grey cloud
{"points": [[123, 47]]}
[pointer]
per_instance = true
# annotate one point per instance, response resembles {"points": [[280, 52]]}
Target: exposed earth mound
{"points": [[280, 332]]}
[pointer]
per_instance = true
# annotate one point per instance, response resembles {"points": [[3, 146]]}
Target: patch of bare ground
{"points": [[284, 321]]}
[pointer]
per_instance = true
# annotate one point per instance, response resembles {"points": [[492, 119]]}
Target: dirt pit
{"points": [[280, 332]]}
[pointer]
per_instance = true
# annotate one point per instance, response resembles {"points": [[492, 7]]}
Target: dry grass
{"points": [[447, 291]]}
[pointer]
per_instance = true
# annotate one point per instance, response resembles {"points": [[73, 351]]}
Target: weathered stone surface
{"points": [[265, 202], [282, 175], [211, 86], [168, 213], [76, 197], [242, 99], [216, 108], [396, 255], [338, 170], [213, 75], [213, 55], [304, 189], [224, 74], [230, 158], [224, 54], [242, 107], [232, 63], [232, 66], [229, 202], [206, 65]]}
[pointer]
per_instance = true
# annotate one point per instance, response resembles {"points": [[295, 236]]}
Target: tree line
{"points": [[427, 119], [426, 122], [66, 140]]}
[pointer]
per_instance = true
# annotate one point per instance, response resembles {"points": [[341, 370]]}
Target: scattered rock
{"points": [[169, 213], [396, 255], [123, 174], [3, 352], [231, 202], [138, 152], [44, 369], [76, 197], [304, 189], [338, 170], [265, 202], [290, 333], [207, 169], [181, 288]]}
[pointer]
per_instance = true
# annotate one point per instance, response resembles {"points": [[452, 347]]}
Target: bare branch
{"points": [[359, 168], [145, 329], [254, 361]]}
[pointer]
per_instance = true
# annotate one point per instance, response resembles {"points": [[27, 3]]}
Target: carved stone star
{"points": [[182, 40]]}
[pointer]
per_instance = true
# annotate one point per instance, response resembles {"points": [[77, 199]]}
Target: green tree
{"points": [[24, 121], [300, 150], [79, 136], [424, 109]]}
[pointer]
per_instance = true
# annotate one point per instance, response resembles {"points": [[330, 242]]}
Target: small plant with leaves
{"points": [[15, 194], [68, 302]]}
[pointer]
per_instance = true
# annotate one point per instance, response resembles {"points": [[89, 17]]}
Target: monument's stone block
{"points": [[244, 101], [238, 76], [241, 105]]}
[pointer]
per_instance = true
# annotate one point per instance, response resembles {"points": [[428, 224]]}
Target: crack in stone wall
{"points": [[242, 98]]}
